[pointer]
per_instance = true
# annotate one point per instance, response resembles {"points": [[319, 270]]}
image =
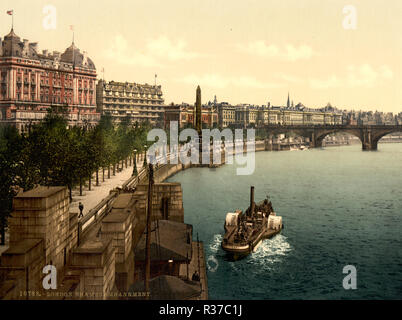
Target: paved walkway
{"points": [[91, 198]]}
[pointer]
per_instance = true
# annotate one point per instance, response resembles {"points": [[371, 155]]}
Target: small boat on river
{"points": [[244, 232]]}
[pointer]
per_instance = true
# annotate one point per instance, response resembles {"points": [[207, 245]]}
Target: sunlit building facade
{"points": [[133, 101], [33, 82]]}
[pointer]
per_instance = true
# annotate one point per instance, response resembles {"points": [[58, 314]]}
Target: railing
{"points": [[98, 211], [102, 209], [134, 180]]}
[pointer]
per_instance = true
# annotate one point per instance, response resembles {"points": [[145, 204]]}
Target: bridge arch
{"points": [[320, 135], [377, 137]]}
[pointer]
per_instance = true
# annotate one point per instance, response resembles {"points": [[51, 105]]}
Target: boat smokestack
{"points": [[252, 204]]}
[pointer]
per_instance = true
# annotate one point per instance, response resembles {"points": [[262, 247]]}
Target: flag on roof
{"points": [[10, 12]]}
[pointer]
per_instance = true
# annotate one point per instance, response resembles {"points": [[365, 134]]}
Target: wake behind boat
{"points": [[244, 232]]}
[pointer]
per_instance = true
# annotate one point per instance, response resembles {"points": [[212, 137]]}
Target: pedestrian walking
{"points": [[81, 207]]}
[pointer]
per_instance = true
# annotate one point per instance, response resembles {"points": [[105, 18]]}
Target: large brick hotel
{"points": [[31, 83]]}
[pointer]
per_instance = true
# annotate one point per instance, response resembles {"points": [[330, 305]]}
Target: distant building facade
{"points": [[370, 118], [254, 116], [32, 83], [137, 102], [246, 115], [184, 115], [226, 114]]}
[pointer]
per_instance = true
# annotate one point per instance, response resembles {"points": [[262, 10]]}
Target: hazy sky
{"points": [[250, 51]]}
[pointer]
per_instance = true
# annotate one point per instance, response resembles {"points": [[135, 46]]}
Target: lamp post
{"points": [[148, 230], [135, 172], [145, 156]]}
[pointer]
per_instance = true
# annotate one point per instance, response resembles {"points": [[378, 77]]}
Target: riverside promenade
{"points": [[91, 198]]}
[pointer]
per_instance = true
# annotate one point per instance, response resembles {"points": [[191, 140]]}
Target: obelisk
{"points": [[198, 122]]}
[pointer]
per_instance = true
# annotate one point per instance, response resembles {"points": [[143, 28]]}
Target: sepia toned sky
{"points": [[251, 51]]}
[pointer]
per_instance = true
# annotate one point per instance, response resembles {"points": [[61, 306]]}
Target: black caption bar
{"points": [[211, 309]]}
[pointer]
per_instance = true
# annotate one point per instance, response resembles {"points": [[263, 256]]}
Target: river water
{"points": [[340, 206]]}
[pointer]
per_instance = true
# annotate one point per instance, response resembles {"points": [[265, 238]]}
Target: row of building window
{"points": [[111, 107], [135, 101], [133, 94], [46, 98], [45, 75]]}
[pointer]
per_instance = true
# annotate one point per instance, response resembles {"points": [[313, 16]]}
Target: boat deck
{"points": [[269, 233]]}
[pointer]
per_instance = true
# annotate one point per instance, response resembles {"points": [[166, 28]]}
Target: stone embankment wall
{"points": [[42, 232]]}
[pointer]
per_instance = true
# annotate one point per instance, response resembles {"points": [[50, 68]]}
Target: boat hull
{"points": [[242, 250]]}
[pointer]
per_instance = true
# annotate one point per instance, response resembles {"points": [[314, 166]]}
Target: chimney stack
{"points": [[252, 203], [34, 46]]}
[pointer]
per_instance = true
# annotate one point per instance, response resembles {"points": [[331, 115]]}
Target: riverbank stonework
{"points": [[97, 261], [42, 213], [42, 232], [167, 201]]}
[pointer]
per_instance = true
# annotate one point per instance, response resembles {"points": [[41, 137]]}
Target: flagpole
{"points": [[12, 29]]}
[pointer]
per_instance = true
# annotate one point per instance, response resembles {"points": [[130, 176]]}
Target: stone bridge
{"points": [[368, 135]]}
